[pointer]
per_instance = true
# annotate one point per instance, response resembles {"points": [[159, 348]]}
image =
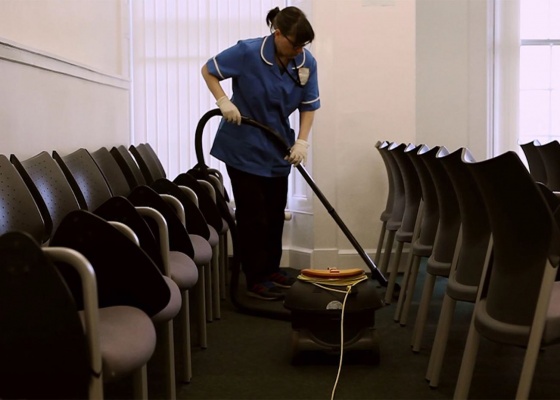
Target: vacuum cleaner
{"points": [[320, 300]]}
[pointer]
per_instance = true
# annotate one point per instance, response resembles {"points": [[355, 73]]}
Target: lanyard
{"points": [[296, 79]]}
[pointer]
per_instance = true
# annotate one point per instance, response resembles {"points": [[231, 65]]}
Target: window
{"points": [[539, 94]]}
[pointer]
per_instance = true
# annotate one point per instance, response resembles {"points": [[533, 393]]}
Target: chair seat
{"points": [[214, 238], [202, 250], [404, 236], [422, 250], [174, 305], [127, 340], [437, 268], [460, 292], [183, 270]]}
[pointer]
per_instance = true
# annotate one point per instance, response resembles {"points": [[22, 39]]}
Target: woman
{"points": [[271, 78]]}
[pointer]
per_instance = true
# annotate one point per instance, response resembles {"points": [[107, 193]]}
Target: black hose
{"points": [[284, 148]]}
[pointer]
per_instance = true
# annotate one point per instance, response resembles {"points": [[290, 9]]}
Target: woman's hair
{"points": [[291, 21]]}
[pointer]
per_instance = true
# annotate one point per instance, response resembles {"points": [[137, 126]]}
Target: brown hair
{"points": [[291, 21]]}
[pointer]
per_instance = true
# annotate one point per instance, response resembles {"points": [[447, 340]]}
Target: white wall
{"points": [[63, 75], [366, 55]]}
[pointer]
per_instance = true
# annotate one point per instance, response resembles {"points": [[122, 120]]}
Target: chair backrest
{"points": [[43, 175], [430, 207], [397, 211], [475, 228], [112, 172], [412, 192], [386, 213], [42, 342], [84, 177], [535, 161], [18, 210], [521, 226], [128, 166], [550, 155], [79, 167], [148, 161], [449, 216]]}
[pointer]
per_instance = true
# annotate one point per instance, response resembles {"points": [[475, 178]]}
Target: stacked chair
{"points": [[199, 248], [518, 298], [125, 332], [424, 232], [439, 262], [178, 269], [386, 213], [393, 223], [412, 199], [472, 254], [205, 199]]}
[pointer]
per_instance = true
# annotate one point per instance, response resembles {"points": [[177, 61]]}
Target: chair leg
{"points": [[393, 273], [387, 252], [404, 288], [166, 331], [186, 343], [467, 364], [380, 243], [216, 311], [410, 290], [208, 292], [223, 265], [440, 341], [140, 382], [423, 309], [200, 296]]}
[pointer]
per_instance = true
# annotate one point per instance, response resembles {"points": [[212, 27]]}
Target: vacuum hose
{"points": [[284, 148]]}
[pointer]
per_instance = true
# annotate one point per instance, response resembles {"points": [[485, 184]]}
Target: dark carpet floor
{"points": [[249, 357]]}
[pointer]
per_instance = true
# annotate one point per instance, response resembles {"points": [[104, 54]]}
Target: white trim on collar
{"points": [[304, 53]]}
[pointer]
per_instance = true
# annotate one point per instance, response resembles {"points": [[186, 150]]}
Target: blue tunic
{"points": [[261, 92]]}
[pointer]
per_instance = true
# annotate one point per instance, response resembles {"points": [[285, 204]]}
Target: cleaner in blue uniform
{"points": [[271, 77]]}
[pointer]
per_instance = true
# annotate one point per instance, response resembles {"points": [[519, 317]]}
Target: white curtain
{"points": [[172, 39]]}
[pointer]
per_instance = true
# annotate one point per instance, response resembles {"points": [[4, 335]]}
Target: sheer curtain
{"points": [[172, 39]]}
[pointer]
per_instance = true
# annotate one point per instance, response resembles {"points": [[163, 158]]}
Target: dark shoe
{"points": [[265, 291], [282, 279]]}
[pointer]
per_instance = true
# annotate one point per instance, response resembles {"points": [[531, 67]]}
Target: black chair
{"points": [[472, 253], [195, 246], [425, 231], [397, 211], [412, 199], [445, 242], [534, 160], [386, 213], [179, 271], [550, 153], [126, 304], [46, 354], [518, 300], [203, 195]]}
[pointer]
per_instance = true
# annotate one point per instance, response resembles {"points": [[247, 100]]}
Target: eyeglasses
{"points": [[295, 46]]}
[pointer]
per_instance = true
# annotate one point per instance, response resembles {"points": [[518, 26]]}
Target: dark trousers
{"points": [[259, 211]]}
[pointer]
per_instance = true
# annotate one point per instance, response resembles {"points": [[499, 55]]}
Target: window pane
{"points": [[540, 19], [555, 114], [535, 67], [535, 114]]}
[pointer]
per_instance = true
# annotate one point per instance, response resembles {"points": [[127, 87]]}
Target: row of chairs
{"points": [[490, 229], [103, 240]]}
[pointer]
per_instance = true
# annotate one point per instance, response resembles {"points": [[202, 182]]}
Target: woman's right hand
{"points": [[229, 110]]}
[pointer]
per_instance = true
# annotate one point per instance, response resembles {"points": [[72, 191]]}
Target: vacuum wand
{"points": [[285, 149]]}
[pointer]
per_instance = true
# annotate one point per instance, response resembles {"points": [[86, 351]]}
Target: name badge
{"points": [[303, 74]]}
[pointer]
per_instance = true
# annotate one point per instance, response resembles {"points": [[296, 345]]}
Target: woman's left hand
{"points": [[298, 152]]}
